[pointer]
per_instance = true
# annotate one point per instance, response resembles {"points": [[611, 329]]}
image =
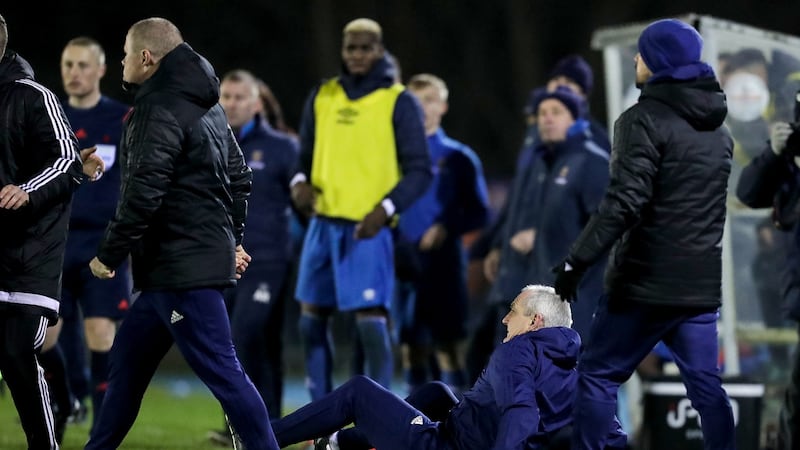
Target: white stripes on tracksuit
{"points": [[44, 391], [63, 135]]}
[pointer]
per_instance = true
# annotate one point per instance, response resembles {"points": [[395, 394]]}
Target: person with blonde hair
{"points": [[363, 161]]}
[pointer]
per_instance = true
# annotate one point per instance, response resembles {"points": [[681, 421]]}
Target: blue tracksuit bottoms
{"points": [[195, 320], [622, 334]]}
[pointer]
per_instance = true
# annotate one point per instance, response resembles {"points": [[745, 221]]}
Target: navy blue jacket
{"points": [[457, 196], [559, 191], [94, 204], [409, 132], [523, 396], [272, 156], [761, 180]]}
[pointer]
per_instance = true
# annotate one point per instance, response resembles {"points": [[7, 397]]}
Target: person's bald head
{"points": [[147, 42], [158, 35]]}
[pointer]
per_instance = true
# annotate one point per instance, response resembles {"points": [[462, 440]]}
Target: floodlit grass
{"points": [[166, 421]]}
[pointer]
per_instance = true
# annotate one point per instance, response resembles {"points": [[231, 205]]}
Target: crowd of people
{"points": [[171, 221]]}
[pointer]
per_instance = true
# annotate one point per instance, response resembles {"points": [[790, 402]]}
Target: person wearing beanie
{"points": [[664, 214], [574, 72], [551, 201]]}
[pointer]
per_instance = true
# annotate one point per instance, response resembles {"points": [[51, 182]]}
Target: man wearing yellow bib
{"points": [[363, 159]]}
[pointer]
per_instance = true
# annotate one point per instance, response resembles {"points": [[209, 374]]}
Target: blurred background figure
{"points": [[429, 255]]}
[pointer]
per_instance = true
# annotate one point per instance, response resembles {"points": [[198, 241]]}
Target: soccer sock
{"points": [[99, 382], [319, 356], [52, 361], [377, 348], [415, 376]]}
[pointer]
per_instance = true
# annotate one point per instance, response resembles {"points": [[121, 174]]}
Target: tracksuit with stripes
{"points": [[38, 156]]}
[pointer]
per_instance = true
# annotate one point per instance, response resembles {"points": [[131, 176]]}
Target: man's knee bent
{"points": [[100, 332]]}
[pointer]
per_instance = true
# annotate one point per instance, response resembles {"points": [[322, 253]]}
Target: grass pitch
{"points": [[166, 421]]}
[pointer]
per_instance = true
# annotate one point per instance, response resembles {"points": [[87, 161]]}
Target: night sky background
{"points": [[491, 53]]}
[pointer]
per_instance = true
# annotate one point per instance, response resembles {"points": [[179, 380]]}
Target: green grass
{"points": [[165, 421]]}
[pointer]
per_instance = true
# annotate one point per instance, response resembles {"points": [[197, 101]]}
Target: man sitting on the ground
{"points": [[523, 397]]}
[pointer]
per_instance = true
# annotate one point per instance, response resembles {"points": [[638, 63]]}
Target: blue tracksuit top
{"points": [[523, 396], [94, 204], [457, 196], [558, 192], [409, 132], [272, 156]]}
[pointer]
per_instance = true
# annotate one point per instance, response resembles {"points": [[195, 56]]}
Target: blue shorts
{"points": [[97, 298], [339, 271]]}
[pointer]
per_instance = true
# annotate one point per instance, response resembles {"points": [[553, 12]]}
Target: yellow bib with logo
{"points": [[355, 158]]}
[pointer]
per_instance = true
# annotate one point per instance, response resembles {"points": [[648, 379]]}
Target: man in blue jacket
{"points": [[560, 189], [363, 159], [431, 267], [523, 397]]}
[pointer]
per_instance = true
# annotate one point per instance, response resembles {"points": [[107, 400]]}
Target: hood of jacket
{"points": [[700, 102], [560, 344], [382, 74], [14, 67], [186, 74]]}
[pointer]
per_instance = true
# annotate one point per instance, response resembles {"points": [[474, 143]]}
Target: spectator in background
{"points": [[562, 186], [772, 180], [97, 122], [256, 304], [429, 253], [363, 159]]}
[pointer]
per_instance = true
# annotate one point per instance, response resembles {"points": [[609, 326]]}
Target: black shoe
{"points": [[79, 413], [322, 444]]}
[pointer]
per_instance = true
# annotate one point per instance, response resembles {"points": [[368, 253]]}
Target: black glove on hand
{"points": [[568, 277], [372, 223]]}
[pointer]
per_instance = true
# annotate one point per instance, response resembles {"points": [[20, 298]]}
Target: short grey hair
{"points": [[543, 300], [156, 34]]}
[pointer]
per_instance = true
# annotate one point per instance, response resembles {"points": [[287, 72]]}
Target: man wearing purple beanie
{"points": [[663, 214]]}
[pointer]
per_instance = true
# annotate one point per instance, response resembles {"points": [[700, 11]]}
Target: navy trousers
{"points": [[388, 422], [621, 335], [195, 320]]}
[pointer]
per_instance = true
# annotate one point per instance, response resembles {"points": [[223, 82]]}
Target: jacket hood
{"points": [[560, 344], [186, 74], [700, 102], [14, 67], [382, 74]]}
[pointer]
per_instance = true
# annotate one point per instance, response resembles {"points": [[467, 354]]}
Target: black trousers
{"points": [[21, 338]]}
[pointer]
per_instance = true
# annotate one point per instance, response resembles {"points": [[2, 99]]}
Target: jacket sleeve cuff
{"points": [[388, 206], [299, 177]]}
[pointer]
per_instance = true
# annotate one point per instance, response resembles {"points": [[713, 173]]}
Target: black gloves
{"points": [[568, 277]]}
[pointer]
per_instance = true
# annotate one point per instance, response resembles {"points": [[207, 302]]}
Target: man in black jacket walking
{"points": [[181, 217], [663, 213], [40, 168]]}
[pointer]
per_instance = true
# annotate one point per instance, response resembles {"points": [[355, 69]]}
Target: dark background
{"points": [[491, 53]]}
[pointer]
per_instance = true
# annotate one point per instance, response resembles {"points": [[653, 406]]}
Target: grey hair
{"points": [[156, 34], [543, 300]]}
